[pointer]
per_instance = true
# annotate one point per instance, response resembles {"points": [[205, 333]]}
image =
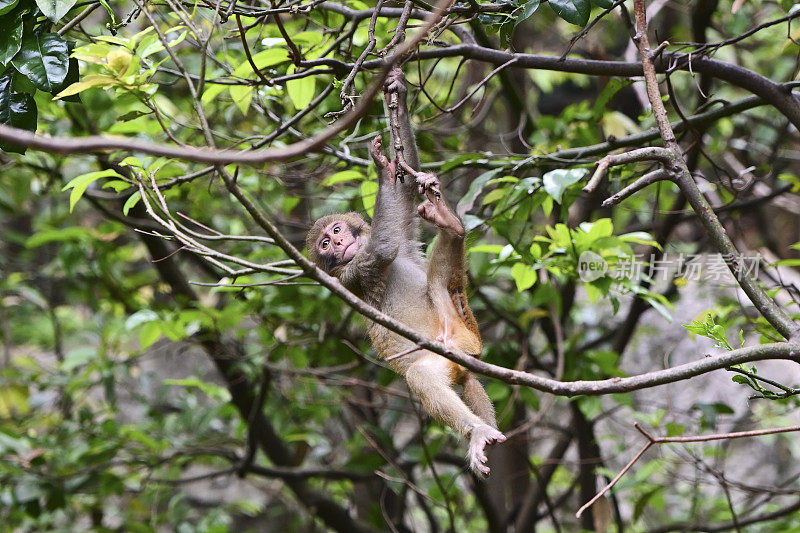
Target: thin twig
{"points": [[651, 440], [648, 179], [347, 91], [400, 30], [247, 53]]}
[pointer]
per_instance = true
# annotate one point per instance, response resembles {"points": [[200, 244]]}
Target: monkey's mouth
{"points": [[350, 251]]}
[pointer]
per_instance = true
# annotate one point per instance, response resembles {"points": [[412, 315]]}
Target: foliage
{"points": [[149, 382]]}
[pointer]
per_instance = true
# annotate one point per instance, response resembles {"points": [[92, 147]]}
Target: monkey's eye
{"points": [[324, 243], [337, 229]]}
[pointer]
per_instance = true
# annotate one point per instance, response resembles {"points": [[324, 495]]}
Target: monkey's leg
{"points": [[429, 378], [478, 401]]}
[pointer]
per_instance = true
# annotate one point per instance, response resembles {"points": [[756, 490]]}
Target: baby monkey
{"points": [[385, 267]]}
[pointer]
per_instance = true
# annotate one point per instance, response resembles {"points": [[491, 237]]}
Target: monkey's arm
{"points": [[404, 144], [384, 241]]}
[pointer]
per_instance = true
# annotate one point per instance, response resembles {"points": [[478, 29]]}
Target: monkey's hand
{"points": [[480, 437], [395, 82], [435, 210], [428, 182], [387, 171]]}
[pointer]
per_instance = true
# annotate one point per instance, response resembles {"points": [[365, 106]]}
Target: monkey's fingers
{"points": [[377, 155], [428, 183], [395, 81], [424, 210], [432, 193]]}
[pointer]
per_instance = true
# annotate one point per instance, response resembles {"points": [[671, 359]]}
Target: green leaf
{"points": [[641, 503], [605, 4], [130, 202], [117, 185], [17, 110], [311, 38], [78, 357], [79, 184], [150, 333], [10, 34], [547, 206], [494, 196], [71, 233], [674, 429], [593, 292], [242, 95], [613, 86], [44, 59], [573, 11], [524, 276], [301, 91], [14, 401], [369, 191], [289, 203], [487, 248], [110, 12], [344, 175], [640, 237], [73, 74], [556, 181], [527, 9], [475, 188], [697, 328], [266, 58], [787, 262], [7, 5], [95, 80], [55, 9], [140, 317], [214, 391], [212, 91]]}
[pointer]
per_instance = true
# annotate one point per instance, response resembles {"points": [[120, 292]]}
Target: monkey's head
{"points": [[334, 240]]}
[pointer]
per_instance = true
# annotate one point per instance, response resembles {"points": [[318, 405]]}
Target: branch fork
{"points": [[669, 172]]}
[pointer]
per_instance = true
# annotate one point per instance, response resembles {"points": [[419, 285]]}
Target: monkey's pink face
{"points": [[337, 241]]}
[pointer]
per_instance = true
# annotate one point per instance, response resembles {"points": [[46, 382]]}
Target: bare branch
{"points": [[648, 179], [774, 313], [651, 440]]}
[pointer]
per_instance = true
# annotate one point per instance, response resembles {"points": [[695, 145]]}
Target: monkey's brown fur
{"points": [[389, 272]]}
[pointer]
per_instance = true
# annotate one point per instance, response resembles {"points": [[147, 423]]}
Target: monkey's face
{"points": [[339, 243]]}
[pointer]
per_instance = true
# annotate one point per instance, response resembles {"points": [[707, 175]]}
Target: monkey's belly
{"points": [[447, 328]]}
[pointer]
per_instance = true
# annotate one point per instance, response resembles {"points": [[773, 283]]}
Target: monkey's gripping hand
{"points": [[435, 210], [480, 436], [395, 82], [427, 182], [387, 171]]}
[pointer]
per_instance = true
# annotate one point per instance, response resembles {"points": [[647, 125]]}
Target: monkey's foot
{"points": [[438, 213], [481, 436]]}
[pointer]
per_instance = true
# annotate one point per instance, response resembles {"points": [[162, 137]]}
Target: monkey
{"points": [[383, 264]]}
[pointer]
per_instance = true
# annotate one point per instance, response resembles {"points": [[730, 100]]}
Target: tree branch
{"points": [[651, 440]]}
